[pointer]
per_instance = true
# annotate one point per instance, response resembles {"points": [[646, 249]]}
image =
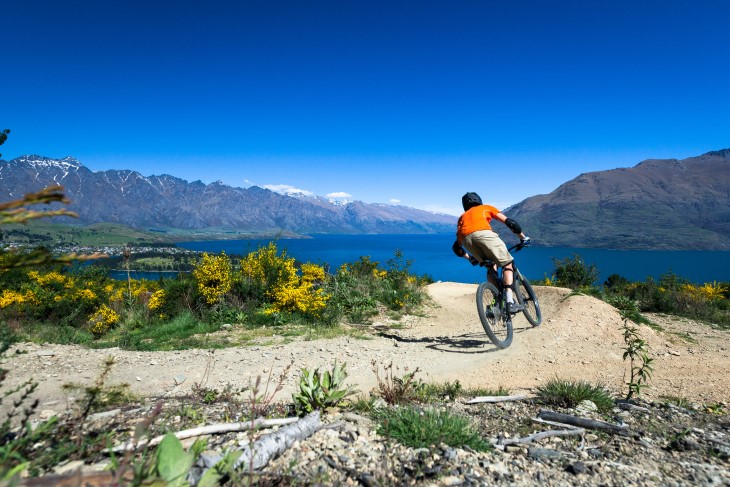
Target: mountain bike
{"points": [[492, 302]]}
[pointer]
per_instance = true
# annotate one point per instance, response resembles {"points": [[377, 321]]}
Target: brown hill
{"points": [[658, 204]]}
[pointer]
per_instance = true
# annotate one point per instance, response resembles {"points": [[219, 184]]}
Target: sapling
{"points": [[640, 364]]}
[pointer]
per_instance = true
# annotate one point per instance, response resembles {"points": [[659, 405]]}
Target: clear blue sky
{"points": [[414, 102]]}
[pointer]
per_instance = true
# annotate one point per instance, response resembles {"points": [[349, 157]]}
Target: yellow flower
{"points": [[85, 294], [379, 274]]}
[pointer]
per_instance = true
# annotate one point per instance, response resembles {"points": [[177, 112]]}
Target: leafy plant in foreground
{"points": [[321, 391]]}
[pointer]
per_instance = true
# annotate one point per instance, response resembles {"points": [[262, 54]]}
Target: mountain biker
{"points": [[474, 233]]}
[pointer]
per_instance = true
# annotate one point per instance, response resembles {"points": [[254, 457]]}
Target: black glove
{"points": [[458, 250]]}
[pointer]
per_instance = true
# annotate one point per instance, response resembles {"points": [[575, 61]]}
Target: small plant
{"points": [[439, 391], [640, 364], [422, 428], [678, 401], [396, 390], [321, 391], [569, 393]]}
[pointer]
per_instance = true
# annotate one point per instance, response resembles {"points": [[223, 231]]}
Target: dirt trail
{"points": [[580, 339]]}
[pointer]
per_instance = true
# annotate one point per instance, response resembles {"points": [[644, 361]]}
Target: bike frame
{"points": [[498, 274]]}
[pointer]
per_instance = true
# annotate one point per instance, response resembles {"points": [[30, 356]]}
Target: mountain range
{"points": [[166, 202], [657, 204]]}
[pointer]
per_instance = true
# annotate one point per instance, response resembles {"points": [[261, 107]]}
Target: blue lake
{"points": [[432, 255]]}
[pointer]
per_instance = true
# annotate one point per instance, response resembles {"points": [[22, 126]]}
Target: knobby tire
{"points": [[497, 328], [526, 297]]}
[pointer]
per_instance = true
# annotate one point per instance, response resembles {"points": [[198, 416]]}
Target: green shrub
{"points": [[574, 273], [418, 428], [569, 393]]}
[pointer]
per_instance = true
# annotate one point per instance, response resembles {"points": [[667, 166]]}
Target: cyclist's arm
{"points": [[513, 225]]}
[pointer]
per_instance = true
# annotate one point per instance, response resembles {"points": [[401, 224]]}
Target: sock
{"points": [[510, 299]]}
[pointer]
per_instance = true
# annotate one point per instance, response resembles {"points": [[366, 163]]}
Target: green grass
{"points": [[418, 428], [569, 393], [183, 332], [54, 333]]}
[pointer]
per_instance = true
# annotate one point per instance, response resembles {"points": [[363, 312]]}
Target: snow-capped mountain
{"points": [[129, 198]]}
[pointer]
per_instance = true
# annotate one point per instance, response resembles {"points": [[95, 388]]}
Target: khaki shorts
{"points": [[486, 244]]}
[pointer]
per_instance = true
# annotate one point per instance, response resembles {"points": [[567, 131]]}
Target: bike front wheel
{"points": [[527, 298], [496, 324]]}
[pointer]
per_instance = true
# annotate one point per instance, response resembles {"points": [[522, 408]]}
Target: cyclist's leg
{"points": [[495, 248]]}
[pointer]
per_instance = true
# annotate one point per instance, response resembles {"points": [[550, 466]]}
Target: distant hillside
{"points": [[658, 204], [129, 198]]}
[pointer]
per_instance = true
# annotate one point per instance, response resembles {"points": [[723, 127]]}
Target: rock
{"points": [[576, 468], [67, 468], [544, 454], [104, 415], [586, 406], [47, 414]]}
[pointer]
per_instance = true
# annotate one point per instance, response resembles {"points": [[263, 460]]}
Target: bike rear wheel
{"points": [[496, 324], [527, 298]]}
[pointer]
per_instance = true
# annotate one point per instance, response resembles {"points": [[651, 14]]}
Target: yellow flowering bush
{"points": [[156, 300], [48, 278], [312, 273], [298, 294], [214, 276], [706, 292], [10, 297], [102, 320]]}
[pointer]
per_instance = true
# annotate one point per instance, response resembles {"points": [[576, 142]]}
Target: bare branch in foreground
{"points": [[479, 399], [213, 429], [583, 422], [540, 436]]}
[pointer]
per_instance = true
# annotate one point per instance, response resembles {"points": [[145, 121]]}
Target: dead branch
{"points": [[540, 436], [264, 449], [213, 429], [479, 399], [583, 422]]}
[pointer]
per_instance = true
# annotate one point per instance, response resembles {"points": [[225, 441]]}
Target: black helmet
{"points": [[470, 200]]}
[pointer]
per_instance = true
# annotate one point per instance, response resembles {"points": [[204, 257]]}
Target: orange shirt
{"points": [[475, 219]]}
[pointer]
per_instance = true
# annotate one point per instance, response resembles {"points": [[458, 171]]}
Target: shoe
{"points": [[514, 308]]}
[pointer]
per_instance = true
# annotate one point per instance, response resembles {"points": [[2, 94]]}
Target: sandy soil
{"points": [[580, 338]]}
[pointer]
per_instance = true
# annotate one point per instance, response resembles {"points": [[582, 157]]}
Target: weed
{"points": [[569, 393], [418, 428], [396, 390]]}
